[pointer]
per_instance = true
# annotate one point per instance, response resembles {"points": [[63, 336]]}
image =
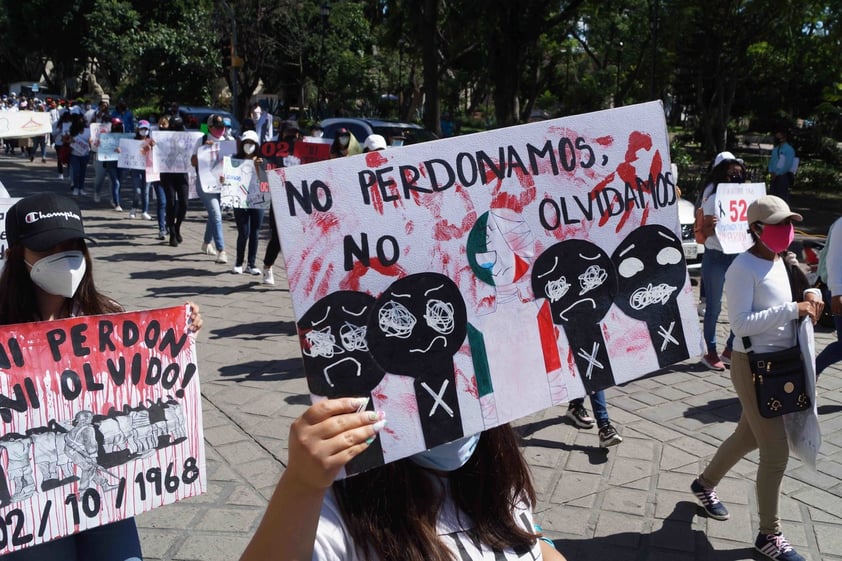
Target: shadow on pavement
{"points": [[181, 272], [716, 411], [675, 537], [829, 409], [595, 454], [257, 330], [264, 371]]}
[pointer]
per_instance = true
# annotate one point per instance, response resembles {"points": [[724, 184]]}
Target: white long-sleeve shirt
{"points": [[833, 256], [760, 303]]}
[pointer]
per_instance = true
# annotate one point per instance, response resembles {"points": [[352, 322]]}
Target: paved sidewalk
{"points": [[629, 503]]}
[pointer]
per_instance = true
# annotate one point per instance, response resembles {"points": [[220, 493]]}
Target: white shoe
{"points": [[253, 271], [61, 176], [75, 192], [146, 216], [237, 270], [268, 277], [118, 208], [222, 257], [208, 249], [96, 197], [132, 213]]}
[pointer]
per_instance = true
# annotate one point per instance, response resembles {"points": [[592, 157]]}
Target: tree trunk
{"points": [[430, 57]]}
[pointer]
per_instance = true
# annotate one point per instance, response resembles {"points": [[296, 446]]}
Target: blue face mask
{"points": [[448, 457]]}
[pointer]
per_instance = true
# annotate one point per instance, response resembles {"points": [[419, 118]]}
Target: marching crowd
{"points": [[475, 492]]}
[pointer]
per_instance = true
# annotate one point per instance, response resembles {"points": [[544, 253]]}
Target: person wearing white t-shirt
{"points": [[469, 499]]}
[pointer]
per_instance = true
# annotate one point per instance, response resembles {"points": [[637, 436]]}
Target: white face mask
{"points": [[249, 148], [344, 140], [59, 274], [143, 132], [448, 457], [318, 134]]}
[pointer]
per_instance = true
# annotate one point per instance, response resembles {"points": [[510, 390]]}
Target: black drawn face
{"points": [[420, 320], [651, 270], [578, 280], [332, 334]]}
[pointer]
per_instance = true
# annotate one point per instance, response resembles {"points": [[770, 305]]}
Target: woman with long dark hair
{"points": [[726, 169], [470, 498], [48, 275]]}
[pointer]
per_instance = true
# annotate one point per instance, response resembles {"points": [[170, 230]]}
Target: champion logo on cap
{"points": [[33, 217]]}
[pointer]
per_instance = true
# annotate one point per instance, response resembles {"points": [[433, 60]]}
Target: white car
{"points": [[692, 251]]}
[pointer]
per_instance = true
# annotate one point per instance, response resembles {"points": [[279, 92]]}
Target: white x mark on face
{"points": [[438, 398], [591, 358], [667, 335]]}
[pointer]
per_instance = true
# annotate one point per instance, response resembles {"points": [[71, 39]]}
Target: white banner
{"points": [[466, 282], [732, 200], [245, 185], [5, 205], [109, 143], [174, 150], [131, 154], [210, 164], [24, 124]]}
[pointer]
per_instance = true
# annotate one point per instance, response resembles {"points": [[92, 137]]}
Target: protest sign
{"points": [[100, 420], [131, 154], [174, 150], [210, 166], [732, 200], [245, 185], [5, 204], [98, 129], [109, 143], [286, 153], [23, 124], [467, 282]]}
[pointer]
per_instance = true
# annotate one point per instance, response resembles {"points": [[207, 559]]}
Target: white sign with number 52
{"points": [[732, 200]]}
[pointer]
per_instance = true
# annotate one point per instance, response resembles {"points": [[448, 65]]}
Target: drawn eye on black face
{"points": [[651, 268], [420, 317], [334, 345], [578, 280]]}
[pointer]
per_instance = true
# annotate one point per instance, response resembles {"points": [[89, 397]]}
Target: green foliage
{"points": [[818, 176]]}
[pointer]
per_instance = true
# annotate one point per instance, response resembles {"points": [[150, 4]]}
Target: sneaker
{"points": [[712, 362], [162, 234], [61, 176], [608, 436], [709, 501], [222, 257], [726, 357], [146, 216], [132, 213], [577, 413], [208, 249], [775, 547], [268, 277], [96, 197], [75, 192], [118, 208], [237, 270], [253, 270]]}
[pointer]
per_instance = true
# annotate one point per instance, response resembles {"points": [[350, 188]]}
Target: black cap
{"points": [[40, 222], [215, 121]]}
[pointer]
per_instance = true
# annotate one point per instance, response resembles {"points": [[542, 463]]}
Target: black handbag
{"points": [[779, 380]]}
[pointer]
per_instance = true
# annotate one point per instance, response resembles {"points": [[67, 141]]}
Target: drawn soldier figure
{"points": [[82, 448], [19, 467]]}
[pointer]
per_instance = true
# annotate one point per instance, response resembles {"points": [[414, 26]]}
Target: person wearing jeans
{"points": [[249, 220], [577, 413], [726, 168], [211, 200]]}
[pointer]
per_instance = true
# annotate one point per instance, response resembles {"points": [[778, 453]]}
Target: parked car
{"points": [[692, 251], [194, 117], [395, 133]]}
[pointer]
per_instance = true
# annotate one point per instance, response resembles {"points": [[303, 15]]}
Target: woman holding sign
{"points": [[249, 220], [726, 169], [468, 499], [48, 276], [762, 313]]}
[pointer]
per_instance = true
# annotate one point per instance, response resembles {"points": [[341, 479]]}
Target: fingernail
{"points": [[373, 415], [378, 426], [370, 439], [362, 403]]}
